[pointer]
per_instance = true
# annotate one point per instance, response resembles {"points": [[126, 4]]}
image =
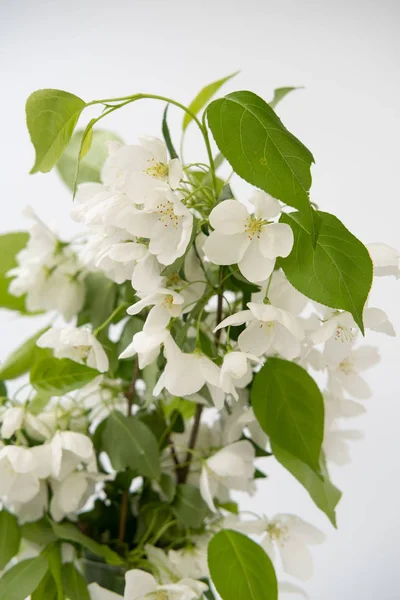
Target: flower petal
{"points": [[225, 249], [276, 239], [229, 217], [254, 266]]}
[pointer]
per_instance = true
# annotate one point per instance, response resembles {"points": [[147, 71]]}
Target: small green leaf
{"points": [[290, 408], [91, 164], [130, 444], [21, 580], [189, 506], [10, 538], [51, 116], [337, 273], [53, 555], [10, 245], [46, 590], [240, 569], [260, 148], [203, 98], [38, 532], [58, 377], [167, 135], [74, 584], [70, 533], [22, 359], [325, 495], [85, 145], [167, 485], [280, 93]]}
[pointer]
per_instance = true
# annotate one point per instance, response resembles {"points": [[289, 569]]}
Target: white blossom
{"points": [[250, 240], [141, 585], [345, 366], [386, 260], [77, 344], [236, 371], [166, 305]]}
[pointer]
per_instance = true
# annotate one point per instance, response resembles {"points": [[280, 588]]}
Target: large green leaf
{"points": [[10, 538], [53, 555], [189, 506], [74, 583], [46, 590], [338, 272], [70, 533], [290, 408], [130, 444], [203, 97], [39, 532], [51, 116], [21, 580], [91, 163], [58, 377], [240, 569], [10, 245], [260, 148], [325, 495], [22, 359], [279, 94]]}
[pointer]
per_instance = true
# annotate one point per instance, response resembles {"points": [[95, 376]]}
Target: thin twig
{"points": [[123, 517]]}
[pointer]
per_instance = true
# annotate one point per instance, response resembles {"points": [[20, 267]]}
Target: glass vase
{"points": [[107, 576]]}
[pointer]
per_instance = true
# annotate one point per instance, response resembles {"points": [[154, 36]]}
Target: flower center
{"points": [[278, 532], [344, 334], [168, 302], [82, 351], [346, 366], [167, 213], [157, 170], [253, 227], [161, 595]]}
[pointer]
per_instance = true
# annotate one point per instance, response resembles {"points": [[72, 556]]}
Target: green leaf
{"points": [[337, 273], [53, 555], [38, 532], [203, 98], [91, 164], [39, 402], [74, 584], [240, 569], [280, 93], [10, 245], [21, 580], [10, 538], [324, 494], [167, 485], [46, 590], [22, 359], [100, 300], [51, 116], [130, 444], [167, 135], [69, 532], [290, 408], [189, 506], [260, 148], [58, 377]]}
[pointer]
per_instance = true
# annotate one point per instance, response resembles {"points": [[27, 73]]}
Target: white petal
{"points": [[254, 266], [237, 319], [266, 207], [139, 584], [377, 320], [97, 358], [297, 559], [99, 593], [256, 338], [355, 385], [276, 239], [175, 173], [12, 421], [207, 489], [229, 217], [324, 331], [285, 343], [225, 249], [365, 357]]}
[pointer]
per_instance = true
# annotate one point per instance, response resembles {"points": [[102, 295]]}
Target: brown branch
{"points": [[123, 517]]}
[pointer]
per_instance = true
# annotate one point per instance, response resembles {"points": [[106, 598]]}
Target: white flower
{"points": [[281, 294], [70, 449], [166, 304], [344, 370], [141, 585], [20, 472], [285, 587], [185, 374], [269, 329], [236, 372], [71, 494], [96, 592], [12, 420], [386, 260], [165, 221], [250, 240], [34, 509], [336, 443], [138, 170], [191, 561], [231, 468], [147, 343], [290, 536], [77, 344]]}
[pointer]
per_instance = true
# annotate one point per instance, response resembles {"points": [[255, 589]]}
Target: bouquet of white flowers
{"points": [[184, 326]]}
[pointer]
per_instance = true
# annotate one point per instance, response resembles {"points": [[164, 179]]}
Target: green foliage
{"points": [[91, 164], [189, 506], [337, 273], [325, 495], [167, 135], [46, 590], [22, 359], [130, 444], [203, 97], [279, 94], [74, 584], [53, 555], [60, 376], [38, 532], [240, 569], [10, 245], [51, 116], [23, 579], [70, 533], [100, 300], [290, 408], [10, 537], [260, 148]]}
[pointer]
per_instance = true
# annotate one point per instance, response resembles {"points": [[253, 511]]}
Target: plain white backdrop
{"points": [[345, 54]]}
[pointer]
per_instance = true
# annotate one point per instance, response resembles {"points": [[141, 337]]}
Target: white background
{"points": [[346, 55]]}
